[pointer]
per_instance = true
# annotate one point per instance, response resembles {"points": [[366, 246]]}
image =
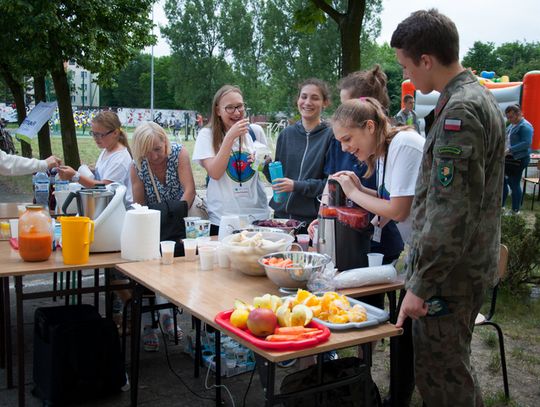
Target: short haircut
{"points": [[427, 32], [143, 141], [512, 108], [406, 98]]}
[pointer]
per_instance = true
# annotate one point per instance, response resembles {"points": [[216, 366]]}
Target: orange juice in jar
{"points": [[35, 234]]}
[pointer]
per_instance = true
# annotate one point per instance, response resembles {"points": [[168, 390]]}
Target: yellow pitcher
{"points": [[77, 235]]}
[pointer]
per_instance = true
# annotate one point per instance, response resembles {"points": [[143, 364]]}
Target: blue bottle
{"points": [[41, 189], [276, 171]]}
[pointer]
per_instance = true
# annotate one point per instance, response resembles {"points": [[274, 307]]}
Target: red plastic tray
{"points": [[223, 319]]}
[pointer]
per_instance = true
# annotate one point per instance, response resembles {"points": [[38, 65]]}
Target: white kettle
{"points": [[108, 225]]}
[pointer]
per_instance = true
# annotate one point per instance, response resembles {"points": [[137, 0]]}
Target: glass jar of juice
{"points": [[35, 234]]}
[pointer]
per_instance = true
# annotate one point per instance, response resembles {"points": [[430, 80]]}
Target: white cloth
{"points": [[17, 165], [404, 157], [115, 167], [226, 196]]}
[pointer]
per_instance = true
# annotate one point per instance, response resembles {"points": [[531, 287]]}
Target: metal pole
{"points": [[152, 73]]}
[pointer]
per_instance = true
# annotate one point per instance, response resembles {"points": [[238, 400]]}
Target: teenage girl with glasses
{"points": [[225, 148], [114, 161]]}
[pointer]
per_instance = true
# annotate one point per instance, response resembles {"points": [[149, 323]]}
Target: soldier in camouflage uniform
{"points": [[454, 246]]}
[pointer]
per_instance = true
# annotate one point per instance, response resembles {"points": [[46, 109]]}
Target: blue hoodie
{"points": [[302, 156]]}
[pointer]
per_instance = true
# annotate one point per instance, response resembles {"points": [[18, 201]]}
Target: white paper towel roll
{"points": [[365, 276], [140, 234]]}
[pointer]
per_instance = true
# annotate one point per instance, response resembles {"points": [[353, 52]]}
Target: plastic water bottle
{"points": [[60, 185], [276, 171], [41, 189]]}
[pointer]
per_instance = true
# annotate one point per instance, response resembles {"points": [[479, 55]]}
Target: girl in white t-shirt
{"points": [[114, 161], [224, 148], [363, 129]]}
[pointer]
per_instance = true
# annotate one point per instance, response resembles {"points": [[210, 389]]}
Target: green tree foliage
{"points": [[523, 244], [198, 66], [514, 59], [101, 36], [355, 19]]}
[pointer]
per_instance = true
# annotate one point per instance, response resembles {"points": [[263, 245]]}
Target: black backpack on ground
{"points": [[76, 355], [360, 392]]}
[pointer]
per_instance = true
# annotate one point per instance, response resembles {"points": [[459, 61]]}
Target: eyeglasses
{"points": [[231, 109], [97, 135]]}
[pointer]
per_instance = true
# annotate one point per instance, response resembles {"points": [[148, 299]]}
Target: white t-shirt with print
{"points": [[239, 191], [404, 158], [115, 167]]}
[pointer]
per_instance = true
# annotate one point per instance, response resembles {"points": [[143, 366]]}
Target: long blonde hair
{"points": [[355, 113], [215, 123], [110, 121], [143, 140]]}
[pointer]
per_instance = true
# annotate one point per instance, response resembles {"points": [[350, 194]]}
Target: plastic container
{"points": [[35, 234], [77, 235], [5, 232], [41, 189], [276, 171]]}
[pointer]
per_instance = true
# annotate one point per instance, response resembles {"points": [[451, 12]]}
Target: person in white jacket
{"points": [[17, 165]]}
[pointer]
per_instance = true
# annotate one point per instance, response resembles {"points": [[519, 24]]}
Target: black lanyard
{"points": [[379, 195]]}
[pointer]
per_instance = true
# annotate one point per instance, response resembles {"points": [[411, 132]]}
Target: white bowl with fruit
{"points": [[244, 249]]}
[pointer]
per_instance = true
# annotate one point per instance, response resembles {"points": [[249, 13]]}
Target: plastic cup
{"points": [[303, 241], [14, 226], [375, 259], [223, 257], [190, 249], [203, 228], [206, 257], [191, 230], [167, 251]]}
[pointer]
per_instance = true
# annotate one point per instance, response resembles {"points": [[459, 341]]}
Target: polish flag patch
{"points": [[452, 124]]}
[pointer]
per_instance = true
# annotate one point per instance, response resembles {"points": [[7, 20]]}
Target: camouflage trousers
{"points": [[442, 350]]}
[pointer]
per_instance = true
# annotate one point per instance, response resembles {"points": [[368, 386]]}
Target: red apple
{"points": [[262, 321]]}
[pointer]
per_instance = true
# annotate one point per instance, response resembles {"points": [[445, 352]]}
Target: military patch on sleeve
{"points": [[445, 171], [452, 124], [450, 150]]}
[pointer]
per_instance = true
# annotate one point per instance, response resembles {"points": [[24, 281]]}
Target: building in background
{"points": [[84, 91]]}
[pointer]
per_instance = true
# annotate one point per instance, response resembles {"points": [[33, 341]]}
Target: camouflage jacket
{"points": [[457, 203]]}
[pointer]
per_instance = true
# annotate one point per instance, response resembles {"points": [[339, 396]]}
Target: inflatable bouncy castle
{"points": [[525, 93]]}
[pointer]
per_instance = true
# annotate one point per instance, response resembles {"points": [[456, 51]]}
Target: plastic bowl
{"points": [[304, 265], [245, 258]]}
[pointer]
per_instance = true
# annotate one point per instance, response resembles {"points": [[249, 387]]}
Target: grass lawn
{"points": [[89, 153]]}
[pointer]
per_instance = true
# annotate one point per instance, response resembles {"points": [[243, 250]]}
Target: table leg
{"points": [[108, 294], [68, 284], [55, 285], [136, 303], [96, 284], [198, 350], [217, 359], [270, 377], [20, 338], [7, 332], [393, 349], [3, 326], [79, 286]]}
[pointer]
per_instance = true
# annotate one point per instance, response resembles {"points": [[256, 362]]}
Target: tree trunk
{"points": [[17, 91], [350, 28], [44, 136], [65, 110]]}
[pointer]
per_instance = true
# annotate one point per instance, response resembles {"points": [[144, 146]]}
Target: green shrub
{"points": [[523, 244]]}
